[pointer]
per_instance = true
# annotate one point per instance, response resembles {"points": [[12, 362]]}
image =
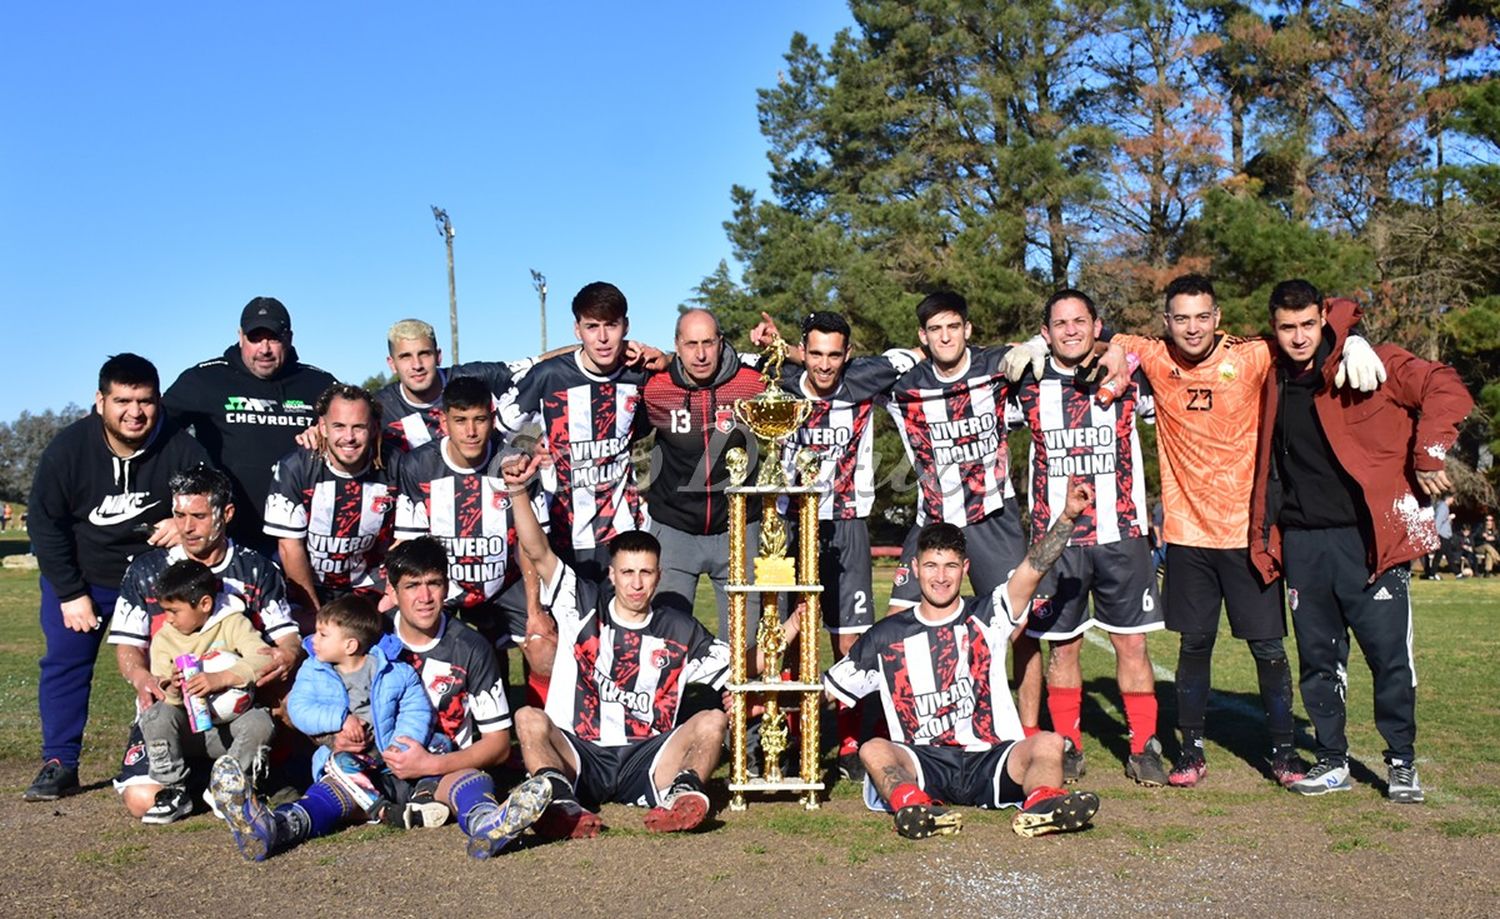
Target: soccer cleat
{"points": [[850, 768], [213, 806], [1145, 767], [54, 781], [1402, 784], [503, 825], [683, 807], [172, 804], [1322, 778], [567, 819], [1188, 771], [1287, 767], [1058, 813], [251, 822], [1074, 766], [919, 821]]}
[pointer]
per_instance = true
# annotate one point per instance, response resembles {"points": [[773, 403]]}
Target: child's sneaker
{"points": [[683, 807], [251, 822], [919, 821], [491, 832], [1053, 810], [172, 804]]}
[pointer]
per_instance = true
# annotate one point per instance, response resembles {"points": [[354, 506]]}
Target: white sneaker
{"points": [[1402, 784], [1326, 776]]}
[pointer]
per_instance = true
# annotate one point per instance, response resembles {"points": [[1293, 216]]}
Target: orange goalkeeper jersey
{"points": [[1207, 416]]}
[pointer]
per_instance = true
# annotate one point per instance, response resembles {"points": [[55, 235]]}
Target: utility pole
{"points": [[539, 281], [445, 230]]}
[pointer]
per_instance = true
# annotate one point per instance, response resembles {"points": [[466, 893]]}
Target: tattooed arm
{"points": [[1045, 552]]}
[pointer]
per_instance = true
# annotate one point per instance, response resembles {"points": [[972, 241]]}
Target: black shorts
{"points": [[1200, 580], [1122, 581], [953, 775], [500, 619], [589, 564], [620, 775], [846, 573], [995, 547]]}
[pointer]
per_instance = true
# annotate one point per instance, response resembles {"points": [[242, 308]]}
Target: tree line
{"points": [[1006, 149]]}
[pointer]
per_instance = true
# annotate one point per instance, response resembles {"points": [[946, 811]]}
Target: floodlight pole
{"points": [[445, 230], [539, 281]]}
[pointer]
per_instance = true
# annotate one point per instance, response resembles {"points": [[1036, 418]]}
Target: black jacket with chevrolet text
{"points": [[91, 512], [246, 424]]}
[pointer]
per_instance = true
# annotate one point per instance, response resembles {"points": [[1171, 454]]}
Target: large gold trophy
{"points": [[772, 416]]}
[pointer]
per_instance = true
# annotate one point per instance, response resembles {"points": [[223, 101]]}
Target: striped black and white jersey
{"points": [[943, 683], [588, 423], [468, 511], [462, 678], [838, 428], [614, 683], [954, 433], [1073, 436], [345, 520], [407, 425], [244, 574]]}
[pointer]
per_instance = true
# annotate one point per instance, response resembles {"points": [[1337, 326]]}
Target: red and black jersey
{"points": [[941, 683], [1072, 436], [462, 678], [615, 684], [695, 428], [406, 425], [589, 423], [954, 433], [244, 575], [838, 429], [345, 520], [468, 510]]}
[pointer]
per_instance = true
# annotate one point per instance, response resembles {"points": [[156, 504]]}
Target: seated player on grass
{"points": [[199, 620], [357, 700], [609, 731], [940, 670]]}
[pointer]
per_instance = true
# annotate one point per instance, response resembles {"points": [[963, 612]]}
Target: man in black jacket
{"points": [[247, 406], [99, 498]]}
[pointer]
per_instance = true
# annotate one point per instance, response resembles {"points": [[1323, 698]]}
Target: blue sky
{"points": [[165, 162]]}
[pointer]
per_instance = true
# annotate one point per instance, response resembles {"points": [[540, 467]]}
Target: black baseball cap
{"points": [[265, 313]]}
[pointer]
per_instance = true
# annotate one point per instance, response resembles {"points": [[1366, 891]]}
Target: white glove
{"points": [[1361, 366], [1030, 354]]}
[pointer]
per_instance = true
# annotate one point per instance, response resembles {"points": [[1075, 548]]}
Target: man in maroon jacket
{"points": [[1336, 509]]}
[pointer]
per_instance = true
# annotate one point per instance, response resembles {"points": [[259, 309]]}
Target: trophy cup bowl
{"points": [[772, 414]]}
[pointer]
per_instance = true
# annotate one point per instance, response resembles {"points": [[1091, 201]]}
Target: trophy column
{"points": [[775, 574]]}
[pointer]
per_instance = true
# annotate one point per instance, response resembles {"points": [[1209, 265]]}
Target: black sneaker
{"points": [[919, 821], [54, 781], [1074, 765], [172, 804], [850, 768]]}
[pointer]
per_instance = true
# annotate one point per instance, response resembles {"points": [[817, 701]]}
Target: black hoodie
{"points": [[246, 424], [90, 511]]}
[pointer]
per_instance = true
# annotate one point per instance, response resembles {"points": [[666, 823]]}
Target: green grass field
{"points": [[1458, 660]]}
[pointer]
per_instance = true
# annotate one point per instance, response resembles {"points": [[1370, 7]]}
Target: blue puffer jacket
{"points": [[319, 703]]}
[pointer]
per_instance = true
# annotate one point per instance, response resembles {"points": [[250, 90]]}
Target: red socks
{"points": [[1030, 730], [1041, 793], [846, 722], [1065, 705], [536, 689], [906, 794], [1140, 717]]}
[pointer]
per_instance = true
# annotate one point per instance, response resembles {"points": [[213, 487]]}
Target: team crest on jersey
{"points": [[501, 502], [1291, 599], [724, 419], [442, 684], [903, 573], [135, 754], [382, 504], [631, 402], [660, 660]]}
